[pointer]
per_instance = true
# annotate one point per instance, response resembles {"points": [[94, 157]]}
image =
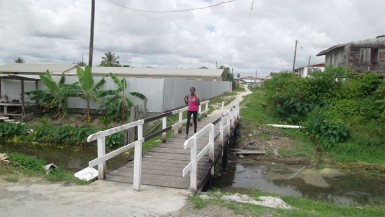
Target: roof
{"points": [[157, 72], [29, 68], [380, 40], [19, 77]]}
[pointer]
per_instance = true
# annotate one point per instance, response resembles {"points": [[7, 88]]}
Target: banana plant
{"points": [[116, 105], [88, 90], [56, 95]]}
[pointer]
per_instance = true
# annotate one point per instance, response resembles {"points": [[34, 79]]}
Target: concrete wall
{"points": [[162, 93]]}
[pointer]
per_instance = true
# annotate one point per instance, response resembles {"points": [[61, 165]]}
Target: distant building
{"points": [[361, 56], [251, 81], [305, 71]]}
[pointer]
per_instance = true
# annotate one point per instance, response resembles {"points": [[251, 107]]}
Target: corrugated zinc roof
{"points": [[36, 68], [368, 42], [160, 72]]}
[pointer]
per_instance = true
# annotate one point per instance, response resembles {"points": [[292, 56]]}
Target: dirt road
{"points": [[98, 199]]}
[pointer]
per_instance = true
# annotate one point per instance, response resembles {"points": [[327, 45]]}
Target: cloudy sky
{"points": [[248, 40]]}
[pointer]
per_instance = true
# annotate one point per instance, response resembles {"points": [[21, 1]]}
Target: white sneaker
{"points": [[186, 137]]}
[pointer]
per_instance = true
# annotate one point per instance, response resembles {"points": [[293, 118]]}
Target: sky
{"points": [[253, 37]]}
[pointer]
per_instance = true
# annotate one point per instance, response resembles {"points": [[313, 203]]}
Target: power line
{"points": [[156, 19], [174, 11]]}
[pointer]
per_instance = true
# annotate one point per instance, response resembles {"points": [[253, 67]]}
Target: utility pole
{"points": [[91, 51], [295, 54], [216, 63], [308, 65]]}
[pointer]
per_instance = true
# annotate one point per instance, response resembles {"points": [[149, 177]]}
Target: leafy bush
{"points": [[26, 162], [10, 130], [325, 129], [66, 135]]}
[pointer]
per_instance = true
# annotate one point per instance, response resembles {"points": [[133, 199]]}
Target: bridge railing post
{"points": [[194, 166], [228, 124], [101, 153], [164, 125], [180, 120], [221, 136], [138, 159], [212, 146]]}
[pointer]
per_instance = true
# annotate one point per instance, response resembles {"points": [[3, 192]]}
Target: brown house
{"points": [[362, 56]]}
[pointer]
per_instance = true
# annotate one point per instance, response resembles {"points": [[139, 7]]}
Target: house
{"points": [[164, 88], [306, 70], [361, 56], [252, 81]]}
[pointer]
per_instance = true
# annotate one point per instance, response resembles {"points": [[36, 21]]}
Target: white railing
{"points": [[231, 117], [100, 136], [192, 144], [103, 157]]}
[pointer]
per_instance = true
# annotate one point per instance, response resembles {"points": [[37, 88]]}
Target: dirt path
{"points": [[101, 198]]}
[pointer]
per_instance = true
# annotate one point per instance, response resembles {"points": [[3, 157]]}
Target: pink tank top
{"points": [[192, 103]]}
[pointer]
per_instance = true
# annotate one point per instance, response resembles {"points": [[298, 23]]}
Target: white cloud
{"points": [[54, 31]]}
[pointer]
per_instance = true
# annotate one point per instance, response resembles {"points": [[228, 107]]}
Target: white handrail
{"points": [[192, 144], [232, 117]]}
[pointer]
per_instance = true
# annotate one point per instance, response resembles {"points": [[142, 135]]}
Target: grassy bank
{"points": [[302, 207], [348, 155]]}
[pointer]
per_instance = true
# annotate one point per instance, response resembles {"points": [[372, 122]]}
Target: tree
{"points": [[88, 90], [56, 96], [110, 60], [227, 75], [116, 106], [19, 60]]}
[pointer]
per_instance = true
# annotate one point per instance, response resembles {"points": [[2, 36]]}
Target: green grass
{"points": [[302, 207], [239, 89], [23, 165]]}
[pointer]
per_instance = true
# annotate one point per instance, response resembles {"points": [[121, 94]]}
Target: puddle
{"points": [[69, 158], [326, 184]]}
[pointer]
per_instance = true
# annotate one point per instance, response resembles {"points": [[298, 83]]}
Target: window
{"points": [[364, 55], [381, 55]]}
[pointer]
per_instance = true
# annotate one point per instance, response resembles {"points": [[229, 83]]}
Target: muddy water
{"points": [[321, 184], [69, 158]]}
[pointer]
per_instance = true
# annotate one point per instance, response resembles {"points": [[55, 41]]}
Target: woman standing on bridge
{"points": [[192, 101]]}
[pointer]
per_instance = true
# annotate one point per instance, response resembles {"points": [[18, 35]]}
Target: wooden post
{"points": [[221, 131], [194, 166], [101, 153], [211, 142], [36, 88], [199, 112], [145, 108], [138, 160], [180, 120], [129, 135], [228, 124], [164, 125], [22, 99]]}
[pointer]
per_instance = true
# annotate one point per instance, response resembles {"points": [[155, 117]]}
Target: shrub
{"points": [[325, 129], [10, 130]]}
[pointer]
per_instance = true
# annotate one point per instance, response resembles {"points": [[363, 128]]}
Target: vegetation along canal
{"points": [[67, 157], [297, 180]]}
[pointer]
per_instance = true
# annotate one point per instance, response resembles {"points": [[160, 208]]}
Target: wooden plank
{"points": [[246, 152]]}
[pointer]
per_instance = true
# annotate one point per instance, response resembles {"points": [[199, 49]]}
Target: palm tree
{"points": [[19, 60], [88, 90], [110, 60]]}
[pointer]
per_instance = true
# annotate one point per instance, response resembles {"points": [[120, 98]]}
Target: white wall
{"points": [[162, 93]]}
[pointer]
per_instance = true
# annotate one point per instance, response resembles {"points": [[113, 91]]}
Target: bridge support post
{"points": [[194, 166], [221, 136], [138, 160], [101, 153], [224, 157], [211, 143], [180, 120], [164, 125]]}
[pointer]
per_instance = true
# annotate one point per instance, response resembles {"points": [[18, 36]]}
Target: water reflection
{"points": [[69, 158], [327, 185]]}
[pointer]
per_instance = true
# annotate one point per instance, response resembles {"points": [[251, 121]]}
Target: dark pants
{"points": [[194, 114]]}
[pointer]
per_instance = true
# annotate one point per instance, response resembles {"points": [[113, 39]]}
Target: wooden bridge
{"points": [[177, 162]]}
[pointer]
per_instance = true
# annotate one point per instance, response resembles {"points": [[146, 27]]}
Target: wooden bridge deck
{"points": [[163, 165]]}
